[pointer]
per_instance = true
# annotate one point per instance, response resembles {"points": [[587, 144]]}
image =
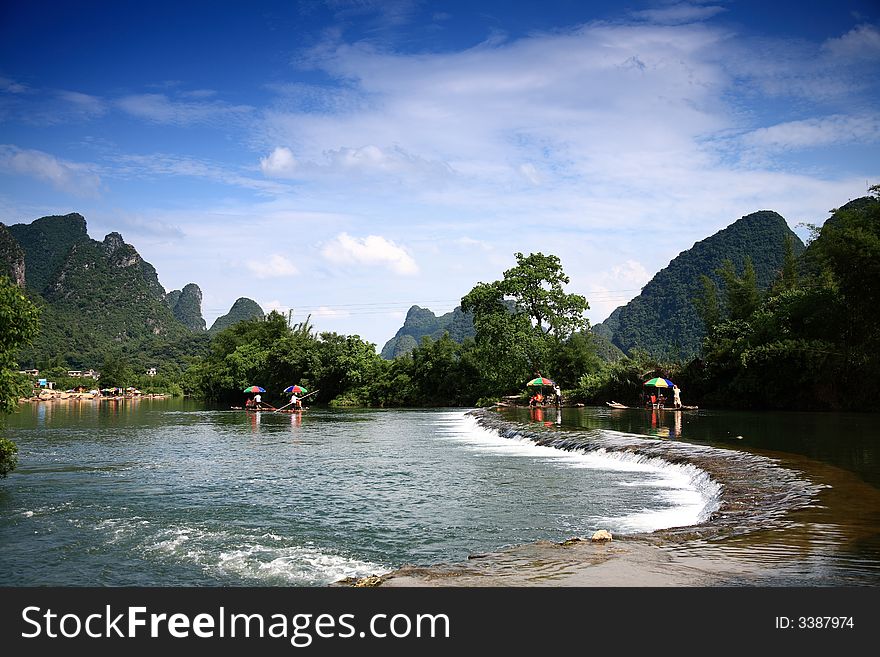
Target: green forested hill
{"points": [[242, 310], [421, 322], [100, 297], [663, 320], [46, 243], [95, 298], [186, 306]]}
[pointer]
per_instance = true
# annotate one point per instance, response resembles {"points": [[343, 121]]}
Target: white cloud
{"points": [[73, 177], [564, 105], [13, 87], [840, 69], [615, 287], [824, 131], [471, 242], [324, 312], [199, 93], [159, 108], [559, 128], [275, 266], [136, 223], [280, 163], [530, 173], [372, 159], [681, 12], [172, 165], [83, 105], [372, 250], [354, 162], [862, 42]]}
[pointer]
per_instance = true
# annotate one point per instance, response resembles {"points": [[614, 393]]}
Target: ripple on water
{"points": [[254, 558]]}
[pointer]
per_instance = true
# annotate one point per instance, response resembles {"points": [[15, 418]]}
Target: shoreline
{"points": [[626, 562], [756, 495]]}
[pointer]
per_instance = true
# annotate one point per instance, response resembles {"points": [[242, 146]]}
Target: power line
{"points": [[595, 295]]}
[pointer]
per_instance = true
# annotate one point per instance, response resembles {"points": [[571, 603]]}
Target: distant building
{"points": [[151, 371], [30, 372], [83, 374]]}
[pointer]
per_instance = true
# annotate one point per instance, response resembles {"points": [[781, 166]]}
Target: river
{"points": [[174, 493]]}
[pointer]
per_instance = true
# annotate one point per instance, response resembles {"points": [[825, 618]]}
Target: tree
{"points": [[18, 324], [576, 356], [522, 320], [115, 371], [788, 276], [535, 284], [347, 363], [707, 304], [848, 249], [742, 296]]}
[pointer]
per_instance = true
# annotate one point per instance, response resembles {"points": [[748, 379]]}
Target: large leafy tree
{"points": [[18, 325], [522, 320], [536, 285]]}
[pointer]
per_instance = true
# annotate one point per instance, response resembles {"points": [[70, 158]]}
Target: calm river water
{"points": [[171, 493]]}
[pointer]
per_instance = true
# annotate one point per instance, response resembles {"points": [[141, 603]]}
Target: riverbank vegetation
{"points": [[525, 324], [807, 339], [18, 323]]}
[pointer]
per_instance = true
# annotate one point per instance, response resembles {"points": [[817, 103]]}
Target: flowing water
{"points": [[172, 493], [799, 498]]}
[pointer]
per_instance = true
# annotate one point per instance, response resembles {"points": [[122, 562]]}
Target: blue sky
{"points": [[350, 158]]}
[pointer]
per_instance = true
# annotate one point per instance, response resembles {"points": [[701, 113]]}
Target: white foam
{"points": [[292, 565], [267, 558], [685, 494]]}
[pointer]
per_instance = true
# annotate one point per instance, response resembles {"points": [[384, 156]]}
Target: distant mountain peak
{"points": [[186, 306], [662, 319], [113, 242], [243, 309], [421, 322]]}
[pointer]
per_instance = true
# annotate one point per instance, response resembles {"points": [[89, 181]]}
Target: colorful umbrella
{"points": [[297, 389], [540, 381], [254, 389], [660, 382]]}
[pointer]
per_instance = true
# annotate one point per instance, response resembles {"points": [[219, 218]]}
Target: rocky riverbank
{"points": [[62, 395]]}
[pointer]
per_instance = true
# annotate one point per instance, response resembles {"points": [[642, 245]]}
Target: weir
{"points": [[751, 491]]}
